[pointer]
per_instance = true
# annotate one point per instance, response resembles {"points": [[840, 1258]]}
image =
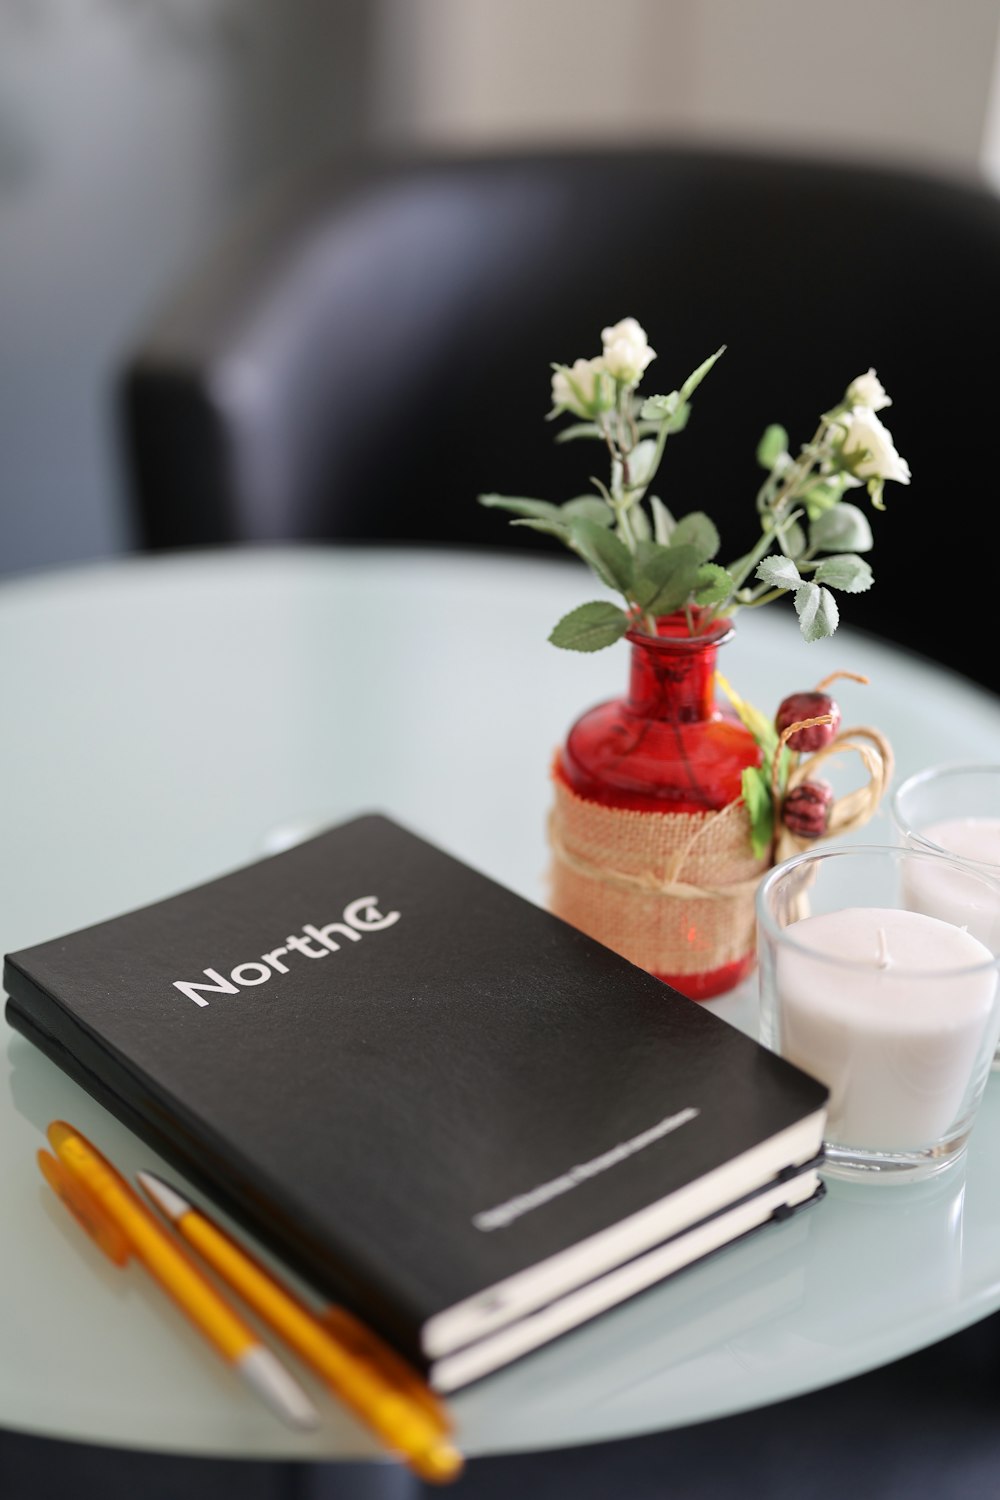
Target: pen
{"points": [[383, 1391], [116, 1217]]}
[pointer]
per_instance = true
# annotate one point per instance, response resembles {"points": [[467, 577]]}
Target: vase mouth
{"points": [[673, 635]]}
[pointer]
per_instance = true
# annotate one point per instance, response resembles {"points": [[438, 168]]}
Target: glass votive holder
{"points": [[954, 809], [895, 1010]]}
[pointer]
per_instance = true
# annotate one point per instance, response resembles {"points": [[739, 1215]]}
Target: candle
{"points": [[895, 1036], [945, 891]]}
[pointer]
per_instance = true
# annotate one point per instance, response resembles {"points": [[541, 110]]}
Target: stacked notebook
{"points": [[442, 1106]]}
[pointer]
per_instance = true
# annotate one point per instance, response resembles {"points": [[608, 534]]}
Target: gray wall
{"points": [[905, 81], [130, 130]]}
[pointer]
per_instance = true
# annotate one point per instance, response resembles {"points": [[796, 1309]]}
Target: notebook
{"points": [[440, 1104]]}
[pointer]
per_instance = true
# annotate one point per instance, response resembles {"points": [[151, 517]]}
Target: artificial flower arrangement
{"points": [[811, 535], [676, 594]]}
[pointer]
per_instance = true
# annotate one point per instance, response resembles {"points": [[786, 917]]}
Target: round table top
{"points": [[170, 718]]}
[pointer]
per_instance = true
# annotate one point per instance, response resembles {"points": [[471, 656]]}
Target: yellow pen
{"points": [[382, 1390], [116, 1217]]}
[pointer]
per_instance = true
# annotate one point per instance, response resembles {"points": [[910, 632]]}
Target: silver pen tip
{"points": [[165, 1198], [265, 1374]]}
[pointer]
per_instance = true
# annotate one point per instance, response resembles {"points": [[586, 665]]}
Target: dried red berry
{"points": [[808, 706], [806, 810]]}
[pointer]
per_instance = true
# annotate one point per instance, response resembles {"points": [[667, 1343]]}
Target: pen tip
{"points": [[441, 1464], [165, 1198], [265, 1374]]}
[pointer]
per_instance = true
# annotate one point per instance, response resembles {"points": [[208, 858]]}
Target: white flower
{"points": [[583, 388], [626, 350], [865, 433], [867, 390]]}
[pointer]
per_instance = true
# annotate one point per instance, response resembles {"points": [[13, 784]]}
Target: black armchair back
{"points": [[373, 349]]}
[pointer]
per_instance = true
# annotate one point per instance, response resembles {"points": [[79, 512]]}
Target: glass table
{"points": [[173, 717]]}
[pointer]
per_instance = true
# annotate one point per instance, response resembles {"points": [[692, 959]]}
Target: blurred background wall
{"points": [[131, 131], [886, 80]]}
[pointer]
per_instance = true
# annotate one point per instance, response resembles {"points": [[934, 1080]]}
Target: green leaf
{"points": [[760, 726], [640, 464], [845, 528], [590, 627], [757, 797], [671, 412], [698, 531], [550, 528], [664, 524], [792, 537], [578, 430], [639, 522], [712, 584], [655, 408], [778, 572], [665, 577], [679, 420], [772, 445], [845, 571], [590, 508], [817, 611], [519, 505], [784, 766], [819, 498], [694, 380], [646, 554], [607, 555]]}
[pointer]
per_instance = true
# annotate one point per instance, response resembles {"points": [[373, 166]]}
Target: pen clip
{"points": [[85, 1208]]}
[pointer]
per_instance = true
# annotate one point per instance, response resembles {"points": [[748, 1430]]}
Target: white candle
{"points": [[895, 1037], [946, 892]]}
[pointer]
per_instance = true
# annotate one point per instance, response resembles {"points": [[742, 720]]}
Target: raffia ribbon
{"points": [[853, 810], [674, 892]]}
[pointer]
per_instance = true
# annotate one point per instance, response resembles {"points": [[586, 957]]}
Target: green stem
{"points": [[661, 443], [743, 566], [798, 472], [625, 528], [765, 598]]}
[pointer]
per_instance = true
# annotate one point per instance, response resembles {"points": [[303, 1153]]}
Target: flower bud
{"points": [[626, 350], [867, 390], [799, 706], [806, 809], [583, 388]]}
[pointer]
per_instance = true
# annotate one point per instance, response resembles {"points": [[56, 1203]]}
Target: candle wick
{"points": [[882, 961]]}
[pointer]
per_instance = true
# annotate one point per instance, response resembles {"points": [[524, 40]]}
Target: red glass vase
{"points": [[650, 834]]}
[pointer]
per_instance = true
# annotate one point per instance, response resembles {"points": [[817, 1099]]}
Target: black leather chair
{"points": [[370, 348]]}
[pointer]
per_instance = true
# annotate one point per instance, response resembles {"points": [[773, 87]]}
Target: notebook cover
{"points": [[215, 1190], [443, 1049]]}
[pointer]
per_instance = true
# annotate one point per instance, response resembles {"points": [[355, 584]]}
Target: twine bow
{"points": [[854, 809]]}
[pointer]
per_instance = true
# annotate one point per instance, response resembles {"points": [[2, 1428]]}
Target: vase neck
{"points": [[672, 674]]}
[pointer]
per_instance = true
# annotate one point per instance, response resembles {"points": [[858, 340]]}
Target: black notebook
{"points": [[438, 1103]]}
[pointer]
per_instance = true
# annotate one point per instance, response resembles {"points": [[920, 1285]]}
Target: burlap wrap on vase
{"points": [[673, 892]]}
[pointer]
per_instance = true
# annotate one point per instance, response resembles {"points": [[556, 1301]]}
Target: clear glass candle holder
{"points": [[895, 1010], [954, 809]]}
